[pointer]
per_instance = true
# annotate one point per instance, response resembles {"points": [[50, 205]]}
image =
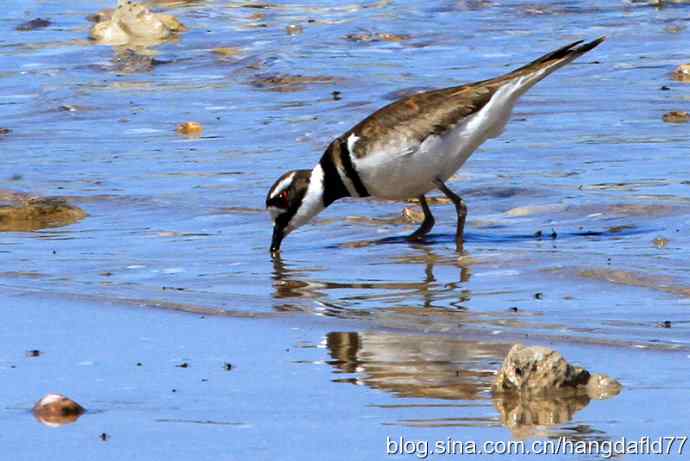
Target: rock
{"points": [[104, 15], [682, 73], [133, 23], [294, 29], [674, 28], [4, 132], [660, 242], [24, 213], [412, 215], [192, 129], [676, 117], [539, 371], [34, 24], [56, 410], [601, 387]]}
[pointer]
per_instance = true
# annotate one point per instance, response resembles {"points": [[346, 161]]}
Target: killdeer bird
{"points": [[410, 147]]}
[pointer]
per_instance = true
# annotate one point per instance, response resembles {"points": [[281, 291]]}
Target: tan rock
{"points": [[600, 387], [537, 370], [57, 410], [682, 73], [133, 23], [193, 129], [412, 215], [541, 371], [660, 242], [294, 29], [676, 117]]}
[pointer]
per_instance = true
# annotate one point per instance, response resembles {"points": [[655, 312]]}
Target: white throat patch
{"points": [[312, 203]]}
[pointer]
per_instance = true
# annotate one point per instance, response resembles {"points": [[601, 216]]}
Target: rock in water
{"points": [[192, 129], [24, 213], [541, 371], [676, 117], [133, 23], [56, 410], [682, 73]]}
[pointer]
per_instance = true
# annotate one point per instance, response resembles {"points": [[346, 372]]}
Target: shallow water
{"points": [[177, 224]]}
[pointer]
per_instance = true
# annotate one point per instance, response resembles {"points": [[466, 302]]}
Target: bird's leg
{"points": [[461, 210], [427, 224]]}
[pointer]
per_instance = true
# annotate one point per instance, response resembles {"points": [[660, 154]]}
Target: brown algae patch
{"points": [[620, 277], [288, 83], [34, 24], [377, 37], [24, 213]]}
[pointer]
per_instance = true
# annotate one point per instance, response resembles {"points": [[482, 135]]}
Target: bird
{"points": [[409, 148]]}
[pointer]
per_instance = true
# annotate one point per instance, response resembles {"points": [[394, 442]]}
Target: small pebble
{"points": [[513, 309], [660, 242], [539, 295], [294, 29], [4, 131], [337, 95], [674, 28], [193, 129], [682, 73], [664, 324], [676, 117], [183, 365], [227, 366], [56, 410], [104, 437], [33, 353], [412, 215]]}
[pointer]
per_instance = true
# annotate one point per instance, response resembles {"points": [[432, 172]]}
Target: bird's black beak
{"points": [[278, 236]]}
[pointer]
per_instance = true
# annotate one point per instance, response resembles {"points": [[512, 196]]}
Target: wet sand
{"points": [[296, 389], [577, 236]]}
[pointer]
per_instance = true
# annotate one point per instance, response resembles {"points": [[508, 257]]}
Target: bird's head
{"points": [[295, 198]]}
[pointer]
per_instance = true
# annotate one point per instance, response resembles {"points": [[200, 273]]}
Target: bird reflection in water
{"points": [[295, 289]]}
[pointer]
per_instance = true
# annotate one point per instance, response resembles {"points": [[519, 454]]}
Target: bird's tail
{"points": [[540, 68]]}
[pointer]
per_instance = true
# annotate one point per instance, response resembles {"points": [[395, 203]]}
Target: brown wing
{"points": [[410, 120]]}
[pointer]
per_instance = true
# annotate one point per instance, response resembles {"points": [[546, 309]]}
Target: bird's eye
{"points": [[284, 198]]}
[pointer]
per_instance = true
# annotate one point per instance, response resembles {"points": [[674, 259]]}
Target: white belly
{"points": [[400, 172]]}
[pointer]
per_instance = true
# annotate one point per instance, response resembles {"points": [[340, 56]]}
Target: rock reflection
{"points": [[534, 417], [433, 367]]}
